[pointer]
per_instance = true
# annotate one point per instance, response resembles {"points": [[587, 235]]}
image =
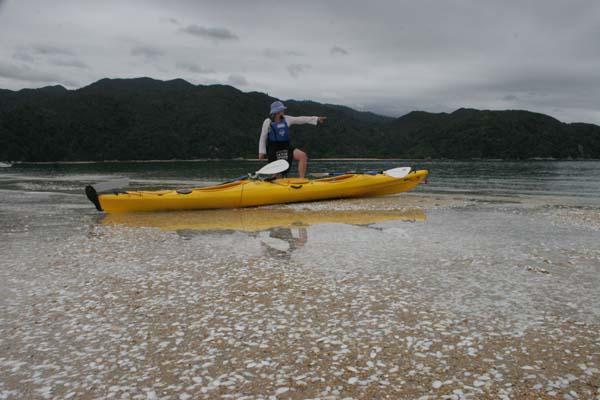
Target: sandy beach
{"points": [[283, 200], [441, 307]]}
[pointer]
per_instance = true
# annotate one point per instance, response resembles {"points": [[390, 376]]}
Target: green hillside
{"points": [[143, 118]]}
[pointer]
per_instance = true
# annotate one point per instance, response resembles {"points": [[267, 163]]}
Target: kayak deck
{"points": [[249, 193]]}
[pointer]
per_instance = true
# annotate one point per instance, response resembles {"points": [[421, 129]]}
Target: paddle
{"points": [[272, 168], [397, 173], [275, 167]]}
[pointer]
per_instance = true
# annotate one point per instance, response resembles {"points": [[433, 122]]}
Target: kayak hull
{"points": [[251, 193]]}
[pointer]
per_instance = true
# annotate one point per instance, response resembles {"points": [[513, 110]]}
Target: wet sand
{"points": [[118, 311]]}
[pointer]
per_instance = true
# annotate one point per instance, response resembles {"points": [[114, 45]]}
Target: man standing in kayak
{"points": [[275, 137]]}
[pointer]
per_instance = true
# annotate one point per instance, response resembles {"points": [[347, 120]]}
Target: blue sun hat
{"points": [[276, 107]]}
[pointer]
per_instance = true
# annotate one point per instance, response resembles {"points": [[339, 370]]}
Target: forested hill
{"points": [[143, 118]]}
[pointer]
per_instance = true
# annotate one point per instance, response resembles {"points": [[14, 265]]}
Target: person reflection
{"points": [[282, 242]]}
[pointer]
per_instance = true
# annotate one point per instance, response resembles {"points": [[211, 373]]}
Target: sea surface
{"points": [[578, 181], [510, 250]]}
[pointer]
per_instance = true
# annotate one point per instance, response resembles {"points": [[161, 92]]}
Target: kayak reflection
{"points": [[259, 219]]}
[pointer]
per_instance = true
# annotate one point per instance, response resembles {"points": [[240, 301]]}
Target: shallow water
{"points": [[470, 252], [578, 181], [511, 247]]}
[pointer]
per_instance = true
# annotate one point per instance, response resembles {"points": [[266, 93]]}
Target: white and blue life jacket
{"points": [[279, 131]]}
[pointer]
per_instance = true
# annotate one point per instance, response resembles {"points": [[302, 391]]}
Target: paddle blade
{"points": [[276, 167], [111, 185], [397, 172]]}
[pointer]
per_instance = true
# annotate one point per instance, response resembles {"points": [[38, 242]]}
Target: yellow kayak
{"points": [[257, 219], [254, 192]]}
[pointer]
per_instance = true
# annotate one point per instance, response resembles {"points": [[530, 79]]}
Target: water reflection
{"points": [[278, 231], [282, 242], [257, 219]]}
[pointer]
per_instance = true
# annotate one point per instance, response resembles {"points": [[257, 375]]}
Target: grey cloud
{"points": [[337, 50], [434, 56], [70, 83], [538, 86], [237, 80], [541, 89], [210, 33], [54, 55], [72, 63], [26, 74], [195, 68], [278, 53], [149, 52], [22, 55], [173, 21], [296, 69], [29, 54], [51, 50]]}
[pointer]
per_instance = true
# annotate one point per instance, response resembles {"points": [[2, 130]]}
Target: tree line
{"points": [[143, 118]]}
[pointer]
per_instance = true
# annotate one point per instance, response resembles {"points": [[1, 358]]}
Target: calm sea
{"points": [[577, 181]]}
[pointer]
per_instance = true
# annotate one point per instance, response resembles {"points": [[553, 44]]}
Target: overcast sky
{"points": [[390, 57]]}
